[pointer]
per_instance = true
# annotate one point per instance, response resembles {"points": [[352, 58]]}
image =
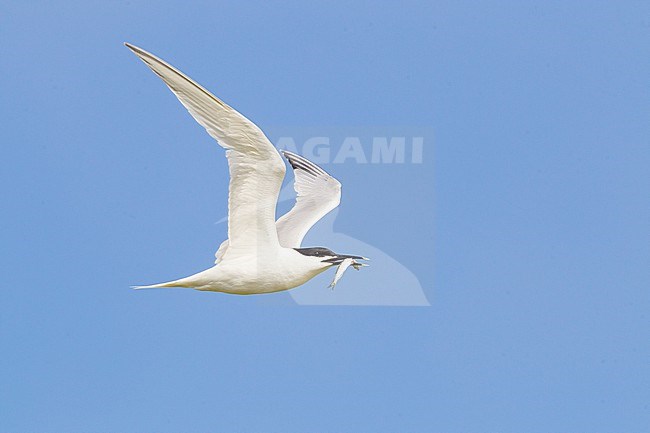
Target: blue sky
{"points": [[526, 224]]}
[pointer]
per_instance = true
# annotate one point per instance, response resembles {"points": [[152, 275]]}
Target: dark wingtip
{"points": [[138, 51], [131, 46], [290, 156], [298, 162]]}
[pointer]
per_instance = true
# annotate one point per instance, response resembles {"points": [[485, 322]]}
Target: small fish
{"points": [[345, 264]]}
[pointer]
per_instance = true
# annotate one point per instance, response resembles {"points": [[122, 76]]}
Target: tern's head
{"points": [[330, 258]]}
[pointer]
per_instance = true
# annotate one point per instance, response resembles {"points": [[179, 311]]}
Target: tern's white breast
{"points": [[260, 272]]}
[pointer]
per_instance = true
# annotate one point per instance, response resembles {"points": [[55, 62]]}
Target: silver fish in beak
{"points": [[344, 264]]}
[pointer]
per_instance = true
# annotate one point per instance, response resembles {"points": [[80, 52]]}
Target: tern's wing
{"points": [[318, 194], [256, 168], [218, 256]]}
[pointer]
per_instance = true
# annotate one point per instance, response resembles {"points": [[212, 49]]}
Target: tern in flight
{"points": [[260, 254]]}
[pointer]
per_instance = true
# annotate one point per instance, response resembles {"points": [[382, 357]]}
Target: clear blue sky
{"points": [[527, 224]]}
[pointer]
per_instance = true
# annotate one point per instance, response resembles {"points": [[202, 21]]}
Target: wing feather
{"points": [[318, 193], [256, 168]]}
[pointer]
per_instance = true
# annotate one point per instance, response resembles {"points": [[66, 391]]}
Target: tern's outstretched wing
{"points": [[318, 194], [256, 168]]}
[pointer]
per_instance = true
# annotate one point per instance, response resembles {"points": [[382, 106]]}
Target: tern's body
{"points": [[257, 272], [260, 255]]}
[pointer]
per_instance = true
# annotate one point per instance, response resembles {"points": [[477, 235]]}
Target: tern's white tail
{"points": [[195, 281], [183, 282]]}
